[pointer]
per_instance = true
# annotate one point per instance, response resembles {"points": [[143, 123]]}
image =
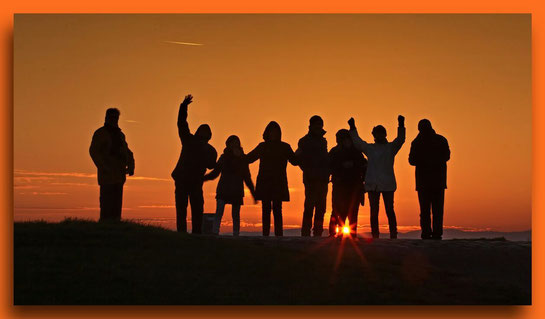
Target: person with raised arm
{"points": [[380, 177], [272, 179], [195, 157]]}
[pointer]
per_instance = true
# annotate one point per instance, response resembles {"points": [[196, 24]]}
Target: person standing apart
{"points": [[429, 154], [272, 179], [234, 170], [313, 160], [114, 160], [380, 177], [196, 156]]}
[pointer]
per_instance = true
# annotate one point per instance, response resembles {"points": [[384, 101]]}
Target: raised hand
{"points": [[352, 123], [188, 99], [401, 120]]}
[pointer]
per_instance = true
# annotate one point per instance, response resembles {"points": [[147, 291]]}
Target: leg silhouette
{"points": [[374, 203], [266, 216]]}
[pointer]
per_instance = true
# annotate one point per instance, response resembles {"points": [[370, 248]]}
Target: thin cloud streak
{"points": [[144, 178], [55, 174], [157, 206], [47, 175], [25, 186], [184, 43], [59, 208]]}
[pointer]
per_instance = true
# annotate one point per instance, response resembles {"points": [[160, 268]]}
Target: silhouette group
{"points": [[353, 166]]}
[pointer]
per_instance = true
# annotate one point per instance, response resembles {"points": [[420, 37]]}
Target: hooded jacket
{"points": [[196, 155], [273, 155]]}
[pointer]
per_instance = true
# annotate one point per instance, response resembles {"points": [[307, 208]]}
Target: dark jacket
{"points": [[111, 155], [196, 155], [234, 172], [313, 158], [272, 180], [430, 153], [347, 166]]}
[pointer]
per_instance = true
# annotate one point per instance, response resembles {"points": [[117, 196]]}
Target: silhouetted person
{"points": [[272, 180], [313, 160], [348, 167], [234, 170], [430, 153], [196, 156], [380, 177], [113, 160]]}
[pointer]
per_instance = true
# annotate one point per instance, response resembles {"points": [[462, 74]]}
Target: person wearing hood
{"points": [[348, 167], [234, 170], [272, 180], [114, 160], [196, 156], [429, 154], [380, 177], [313, 160]]}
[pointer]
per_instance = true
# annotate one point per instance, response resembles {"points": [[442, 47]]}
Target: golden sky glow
{"points": [[469, 74]]}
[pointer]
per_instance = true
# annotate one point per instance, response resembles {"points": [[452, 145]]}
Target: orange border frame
{"points": [[7, 310]]}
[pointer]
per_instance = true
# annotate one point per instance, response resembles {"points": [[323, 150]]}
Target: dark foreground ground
{"points": [[82, 262]]}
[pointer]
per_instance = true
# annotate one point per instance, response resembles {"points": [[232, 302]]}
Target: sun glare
{"points": [[346, 230]]}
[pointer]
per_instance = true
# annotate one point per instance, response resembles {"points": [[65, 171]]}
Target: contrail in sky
{"points": [[183, 43]]}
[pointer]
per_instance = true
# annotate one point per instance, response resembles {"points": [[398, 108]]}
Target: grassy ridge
{"points": [[83, 262]]}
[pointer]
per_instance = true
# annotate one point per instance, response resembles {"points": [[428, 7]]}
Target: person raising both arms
{"points": [[380, 177]]}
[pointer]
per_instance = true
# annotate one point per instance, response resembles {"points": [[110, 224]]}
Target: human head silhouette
{"points": [[316, 126], [379, 133], [204, 133], [232, 142], [272, 132], [112, 117], [424, 126], [343, 138]]}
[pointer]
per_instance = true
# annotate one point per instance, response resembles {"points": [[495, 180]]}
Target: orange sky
{"points": [[469, 74]]}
